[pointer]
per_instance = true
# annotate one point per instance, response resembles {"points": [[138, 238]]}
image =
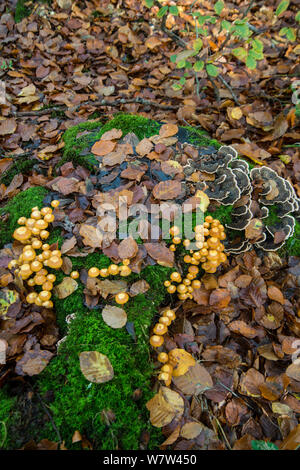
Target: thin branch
{"points": [[117, 102], [235, 99], [50, 417]]}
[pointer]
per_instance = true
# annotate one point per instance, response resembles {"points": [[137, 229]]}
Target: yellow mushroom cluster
{"points": [[114, 270], [37, 256], [209, 254], [157, 340]]}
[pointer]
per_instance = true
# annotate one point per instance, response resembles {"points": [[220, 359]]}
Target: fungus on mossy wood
{"points": [[75, 401]]}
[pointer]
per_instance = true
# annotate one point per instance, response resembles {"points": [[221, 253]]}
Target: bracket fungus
{"points": [[231, 183]]}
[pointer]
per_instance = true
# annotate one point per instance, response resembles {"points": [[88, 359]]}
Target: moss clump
{"points": [[7, 404], [76, 147], [292, 245], [21, 165], [19, 206], [81, 405], [21, 11]]}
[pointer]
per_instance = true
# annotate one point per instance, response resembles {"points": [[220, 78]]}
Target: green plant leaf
{"points": [[226, 25], [257, 45], [251, 62], [212, 70], [241, 29], [182, 81], [185, 54], [188, 65], [173, 10], [162, 12], [240, 53], [263, 445], [181, 64], [176, 86], [282, 7], [297, 17], [289, 33], [197, 44], [198, 66], [149, 3], [218, 7], [173, 58]]}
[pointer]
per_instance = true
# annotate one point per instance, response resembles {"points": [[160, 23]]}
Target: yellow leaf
{"points": [[181, 360], [164, 407], [236, 113], [96, 367]]}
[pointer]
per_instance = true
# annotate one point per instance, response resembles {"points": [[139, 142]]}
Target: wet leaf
{"points": [[96, 367], [65, 288], [115, 317], [164, 407], [195, 381], [181, 361]]}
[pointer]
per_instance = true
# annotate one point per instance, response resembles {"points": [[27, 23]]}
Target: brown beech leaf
{"points": [[173, 437], [144, 146], [8, 126], [139, 287], [67, 245], [115, 317], [168, 130], [219, 298], [293, 371], [292, 441], [195, 381], [242, 328], [96, 367], [112, 134], [169, 189], [107, 287], [161, 253], [103, 147], [65, 288], [33, 362], [191, 430], [91, 236], [164, 407], [128, 248], [181, 361], [250, 383], [275, 294], [201, 296]]}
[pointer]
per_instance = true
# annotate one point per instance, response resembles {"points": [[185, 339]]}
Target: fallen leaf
{"points": [[128, 248], [169, 189], [195, 381], [65, 288], [181, 361], [275, 294], [164, 407], [168, 130], [103, 147], [191, 430], [96, 367], [115, 317]]}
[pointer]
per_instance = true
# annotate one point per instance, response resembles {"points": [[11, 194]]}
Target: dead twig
{"points": [[235, 99], [117, 102]]}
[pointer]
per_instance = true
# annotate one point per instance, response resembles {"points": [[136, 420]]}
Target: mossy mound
{"points": [[81, 405], [19, 206], [111, 415]]}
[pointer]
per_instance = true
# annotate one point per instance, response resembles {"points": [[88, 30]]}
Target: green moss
{"points": [[81, 405], [21, 165], [222, 213], [21, 11], [196, 137], [7, 404], [19, 206], [292, 245]]}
